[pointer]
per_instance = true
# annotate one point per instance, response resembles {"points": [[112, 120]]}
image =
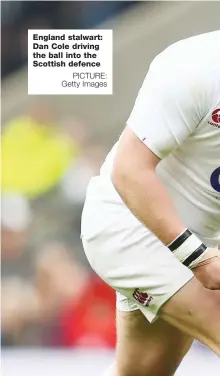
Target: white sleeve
{"points": [[166, 110]]}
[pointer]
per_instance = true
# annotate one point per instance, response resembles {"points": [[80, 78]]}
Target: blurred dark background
{"points": [[18, 16], [46, 165]]}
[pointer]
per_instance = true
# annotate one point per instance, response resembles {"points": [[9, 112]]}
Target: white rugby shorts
{"points": [[125, 254]]}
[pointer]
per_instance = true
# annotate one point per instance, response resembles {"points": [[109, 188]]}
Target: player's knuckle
{"points": [[213, 283]]}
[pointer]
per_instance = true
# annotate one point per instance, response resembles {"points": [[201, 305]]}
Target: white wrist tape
{"points": [[188, 249]]}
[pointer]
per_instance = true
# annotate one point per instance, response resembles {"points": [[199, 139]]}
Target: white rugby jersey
{"points": [[177, 115]]}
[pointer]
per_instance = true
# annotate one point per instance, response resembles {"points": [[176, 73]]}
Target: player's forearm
{"points": [[147, 198]]}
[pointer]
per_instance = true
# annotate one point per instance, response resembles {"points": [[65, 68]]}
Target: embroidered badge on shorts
{"points": [[142, 297]]}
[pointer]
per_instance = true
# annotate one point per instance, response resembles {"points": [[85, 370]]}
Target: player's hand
{"points": [[209, 274]]}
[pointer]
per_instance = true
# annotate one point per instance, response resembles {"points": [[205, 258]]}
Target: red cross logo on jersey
{"points": [[216, 116]]}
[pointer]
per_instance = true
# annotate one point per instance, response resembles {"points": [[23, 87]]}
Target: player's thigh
{"points": [[195, 310], [148, 349]]}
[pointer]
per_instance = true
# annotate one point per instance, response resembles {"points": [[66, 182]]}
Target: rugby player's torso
{"points": [[191, 172], [192, 176]]}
